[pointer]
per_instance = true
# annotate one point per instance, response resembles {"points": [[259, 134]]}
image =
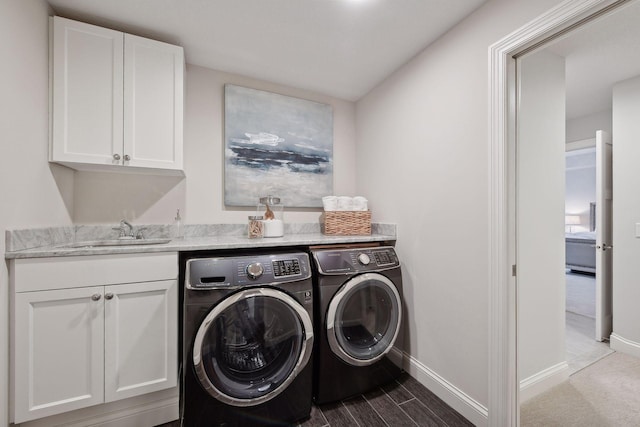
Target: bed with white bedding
{"points": [[581, 251]]}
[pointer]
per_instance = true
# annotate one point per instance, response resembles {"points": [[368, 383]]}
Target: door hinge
{"points": [[513, 270]]}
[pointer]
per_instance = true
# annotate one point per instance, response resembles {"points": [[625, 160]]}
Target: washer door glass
{"points": [[252, 345], [363, 319]]}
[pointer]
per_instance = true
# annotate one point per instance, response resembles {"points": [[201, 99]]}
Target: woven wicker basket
{"points": [[347, 223]]}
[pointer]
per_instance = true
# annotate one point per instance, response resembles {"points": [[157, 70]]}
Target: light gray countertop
{"points": [[54, 242]]}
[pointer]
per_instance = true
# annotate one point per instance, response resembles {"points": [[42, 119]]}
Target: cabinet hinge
{"points": [[513, 270]]}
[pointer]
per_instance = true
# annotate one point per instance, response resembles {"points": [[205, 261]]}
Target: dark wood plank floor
{"points": [[405, 402]]}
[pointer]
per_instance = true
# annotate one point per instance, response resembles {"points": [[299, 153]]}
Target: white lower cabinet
{"points": [[59, 352], [82, 346], [141, 338]]}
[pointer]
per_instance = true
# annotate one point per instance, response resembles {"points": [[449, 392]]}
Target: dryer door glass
{"points": [[252, 345], [363, 319]]}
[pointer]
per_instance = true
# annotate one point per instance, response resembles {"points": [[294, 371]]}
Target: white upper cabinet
{"points": [[117, 100], [153, 99], [87, 93]]}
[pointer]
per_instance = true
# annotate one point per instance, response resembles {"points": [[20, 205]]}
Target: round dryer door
{"points": [[252, 345], [363, 319]]}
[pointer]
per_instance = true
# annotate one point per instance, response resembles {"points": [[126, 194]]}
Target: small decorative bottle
{"points": [[178, 230]]}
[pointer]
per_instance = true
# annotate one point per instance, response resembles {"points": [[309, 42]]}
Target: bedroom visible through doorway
{"points": [[582, 348]]}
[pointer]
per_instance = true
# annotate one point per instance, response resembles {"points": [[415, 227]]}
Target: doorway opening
{"points": [[504, 311], [583, 347]]}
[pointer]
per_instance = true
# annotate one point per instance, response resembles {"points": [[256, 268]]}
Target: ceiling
{"points": [[598, 55], [342, 48]]}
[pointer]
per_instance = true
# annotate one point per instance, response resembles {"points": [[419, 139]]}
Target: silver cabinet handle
{"points": [[96, 297], [108, 296], [127, 157]]}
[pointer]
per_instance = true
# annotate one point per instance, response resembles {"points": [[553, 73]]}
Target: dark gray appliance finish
{"points": [[358, 319], [247, 339]]}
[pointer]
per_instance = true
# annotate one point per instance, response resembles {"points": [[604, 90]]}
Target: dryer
{"points": [[359, 315], [247, 340]]}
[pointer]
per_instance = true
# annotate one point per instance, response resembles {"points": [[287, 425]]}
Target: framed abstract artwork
{"points": [[276, 145]]}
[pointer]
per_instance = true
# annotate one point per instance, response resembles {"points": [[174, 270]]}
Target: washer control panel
{"points": [[355, 260], [236, 271], [254, 270], [364, 259]]}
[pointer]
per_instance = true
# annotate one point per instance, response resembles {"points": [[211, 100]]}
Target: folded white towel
{"points": [[344, 203], [330, 203], [359, 203]]}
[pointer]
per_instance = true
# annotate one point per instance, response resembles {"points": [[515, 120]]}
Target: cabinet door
{"points": [[58, 351], [153, 103], [141, 338], [87, 86]]}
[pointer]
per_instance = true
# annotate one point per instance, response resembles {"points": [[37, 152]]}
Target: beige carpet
{"points": [[606, 393]]}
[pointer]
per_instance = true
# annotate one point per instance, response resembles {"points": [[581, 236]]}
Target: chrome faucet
{"points": [[123, 230]]}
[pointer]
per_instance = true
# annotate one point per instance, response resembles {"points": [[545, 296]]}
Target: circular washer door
{"points": [[251, 346], [363, 319]]}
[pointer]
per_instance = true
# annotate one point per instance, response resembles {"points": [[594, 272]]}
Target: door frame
{"points": [[503, 397]]}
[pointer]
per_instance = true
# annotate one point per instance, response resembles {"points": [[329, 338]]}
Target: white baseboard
{"points": [[623, 345], [543, 381], [472, 410]]}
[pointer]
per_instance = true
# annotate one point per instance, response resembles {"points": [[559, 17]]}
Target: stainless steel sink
{"points": [[116, 242]]}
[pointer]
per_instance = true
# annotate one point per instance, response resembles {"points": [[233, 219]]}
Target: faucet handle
{"points": [[140, 234], [121, 232]]}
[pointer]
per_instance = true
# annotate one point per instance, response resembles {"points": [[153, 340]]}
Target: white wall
{"points": [[585, 127], [581, 169], [107, 197], [580, 186], [423, 154], [626, 214], [540, 222], [29, 188]]}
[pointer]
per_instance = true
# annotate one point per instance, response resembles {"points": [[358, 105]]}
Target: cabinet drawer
{"points": [[36, 274]]}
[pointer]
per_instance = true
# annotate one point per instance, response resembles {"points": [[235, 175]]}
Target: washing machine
{"points": [[359, 314], [247, 340]]}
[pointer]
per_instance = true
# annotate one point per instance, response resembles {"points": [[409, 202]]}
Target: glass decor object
{"points": [[272, 212]]}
